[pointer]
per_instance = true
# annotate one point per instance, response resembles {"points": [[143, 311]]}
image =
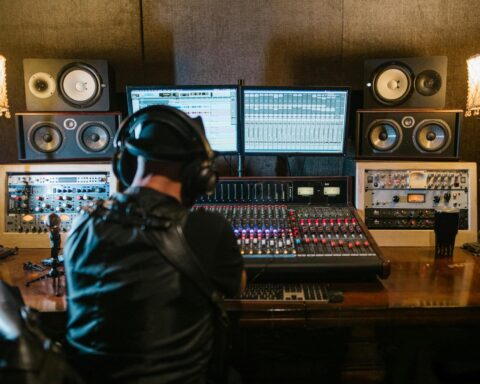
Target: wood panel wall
{"points": [[265, 42]]}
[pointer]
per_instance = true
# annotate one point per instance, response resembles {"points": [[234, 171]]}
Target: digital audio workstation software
{"points": [[217, 105], [294, 120]]}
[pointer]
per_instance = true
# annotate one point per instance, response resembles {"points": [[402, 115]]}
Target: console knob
{"points": [[447, 197], [436, 199], [396, 199]]}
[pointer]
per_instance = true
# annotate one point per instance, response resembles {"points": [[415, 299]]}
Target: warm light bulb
{"points": [[3, 88], [473, 97]]}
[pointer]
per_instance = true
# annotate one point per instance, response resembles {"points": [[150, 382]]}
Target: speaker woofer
{"points": [[93, 137], [80, 85], [428, 82], [392, 84], [384, 135], [45, 137], [431, 136]]}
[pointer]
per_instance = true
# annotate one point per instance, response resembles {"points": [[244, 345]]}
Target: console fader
{"points": [[297, 228]]}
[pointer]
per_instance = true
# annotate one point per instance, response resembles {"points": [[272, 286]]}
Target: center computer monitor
{"points": [[294, 120], [217, 105]]}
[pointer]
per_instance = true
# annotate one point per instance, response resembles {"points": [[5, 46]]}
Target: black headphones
{"points": [[198, 176]]}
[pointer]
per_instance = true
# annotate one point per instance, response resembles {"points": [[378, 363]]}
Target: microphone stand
{"points": [[54, 224]]}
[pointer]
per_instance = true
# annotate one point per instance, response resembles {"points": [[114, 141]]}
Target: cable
{"points": [[262, 271], [228, 161], [289, 171]]}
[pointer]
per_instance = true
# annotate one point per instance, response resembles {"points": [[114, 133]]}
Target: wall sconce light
{"points": [[3, 89], [473, 97]]}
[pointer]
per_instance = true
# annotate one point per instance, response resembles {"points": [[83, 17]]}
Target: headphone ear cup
{"points": [[198, 178], [124, 167]]}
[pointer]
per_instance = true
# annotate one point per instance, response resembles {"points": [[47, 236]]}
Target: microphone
{"points": [[54, 224]]}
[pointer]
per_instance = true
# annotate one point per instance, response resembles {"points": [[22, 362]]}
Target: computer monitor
{"points": [[294, 120], [217, 105]]}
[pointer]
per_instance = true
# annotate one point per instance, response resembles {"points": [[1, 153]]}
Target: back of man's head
{"points": [[167, 142], [167, 135], [169, 169]]}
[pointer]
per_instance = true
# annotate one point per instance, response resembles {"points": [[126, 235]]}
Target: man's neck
{"points": [[161, 184]]}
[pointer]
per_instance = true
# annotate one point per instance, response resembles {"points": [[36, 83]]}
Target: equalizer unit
{"points": [[30, 192], [398, 200], [300, 228]]}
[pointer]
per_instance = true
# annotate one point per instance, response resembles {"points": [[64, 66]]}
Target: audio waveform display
{"points": [[217, 106], [311, 121]]}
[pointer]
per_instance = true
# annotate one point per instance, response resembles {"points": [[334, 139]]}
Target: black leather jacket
{"points": [[132, 317]]}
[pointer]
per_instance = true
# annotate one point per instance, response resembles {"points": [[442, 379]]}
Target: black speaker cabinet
{"points": [[423, 134], [417, 82], [66, 136], [67, 85]]}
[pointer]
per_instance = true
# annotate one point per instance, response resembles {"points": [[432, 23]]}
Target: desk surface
{"points": [[418, 290]]}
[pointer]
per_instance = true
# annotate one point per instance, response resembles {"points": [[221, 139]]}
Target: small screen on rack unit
{"points": [[217, 105], [294, 120], [331, 191]]}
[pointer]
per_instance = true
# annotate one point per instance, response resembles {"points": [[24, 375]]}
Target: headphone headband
{"points": [[124, 131], [198, 176]]}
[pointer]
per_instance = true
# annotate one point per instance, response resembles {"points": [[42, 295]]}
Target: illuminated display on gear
{"points": [[416, 198], [311, 121]]}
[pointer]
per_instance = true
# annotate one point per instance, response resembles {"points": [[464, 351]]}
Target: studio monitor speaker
{"points": [[417, 82], [423, 134], [67, 85], [66, 136]]}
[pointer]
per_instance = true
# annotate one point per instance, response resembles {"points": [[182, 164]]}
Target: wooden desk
{"points": [[419, 290], [421, 305]]}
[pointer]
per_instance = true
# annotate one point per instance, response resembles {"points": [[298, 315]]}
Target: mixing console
{"points": [[292, 236]]}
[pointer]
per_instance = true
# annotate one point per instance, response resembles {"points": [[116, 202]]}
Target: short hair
{"points": [[171, 169]]}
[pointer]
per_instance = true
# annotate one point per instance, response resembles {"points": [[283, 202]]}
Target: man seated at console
{"points": [[133, 316]]}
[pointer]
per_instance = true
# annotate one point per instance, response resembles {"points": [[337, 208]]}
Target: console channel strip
{"points": [[297, 228]]}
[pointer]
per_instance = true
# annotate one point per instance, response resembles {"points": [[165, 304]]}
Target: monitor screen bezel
{"points": [[298, 88], [131, 88]]}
